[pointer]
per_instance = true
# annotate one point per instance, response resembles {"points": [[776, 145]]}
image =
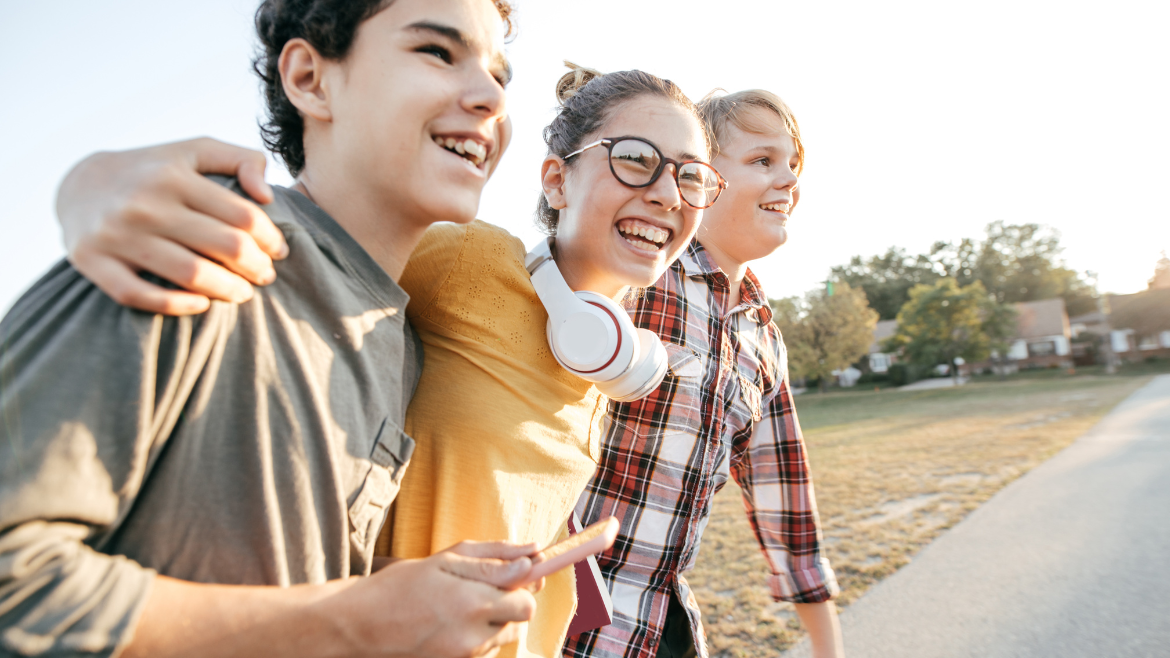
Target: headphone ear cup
{"points": [[643, 376], [623, 344]]}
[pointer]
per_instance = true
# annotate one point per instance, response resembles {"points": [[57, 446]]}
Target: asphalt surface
{"points": [[1070, 560]]}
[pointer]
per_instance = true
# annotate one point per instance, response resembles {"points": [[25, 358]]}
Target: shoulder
{"points": [[480, 250], [492, 242], [462, 258], [66, 334]]}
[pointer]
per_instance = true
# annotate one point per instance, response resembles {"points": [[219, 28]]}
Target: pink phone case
{"points": [[606, 532]]}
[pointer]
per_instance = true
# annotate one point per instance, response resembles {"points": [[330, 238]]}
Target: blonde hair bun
{"points": [[572, 82]]}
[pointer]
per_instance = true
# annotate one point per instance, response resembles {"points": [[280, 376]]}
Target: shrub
{"points": [[874, 378], [901, 374]]}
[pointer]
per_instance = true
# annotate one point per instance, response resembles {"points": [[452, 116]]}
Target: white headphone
{"points": [[592, 337]]}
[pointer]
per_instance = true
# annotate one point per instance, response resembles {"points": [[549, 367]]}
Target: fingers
{"points": [[497, 573], [494, 549], [185, 268], [515, 606], [127, 288], [215, 201], [215, 157], [232, 248]]}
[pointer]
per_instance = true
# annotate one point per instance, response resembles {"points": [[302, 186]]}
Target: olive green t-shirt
{"points": [[258, 443]]}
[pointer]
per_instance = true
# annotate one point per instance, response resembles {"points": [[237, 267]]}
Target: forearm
{"points": [[824, 629], [189, 619]]}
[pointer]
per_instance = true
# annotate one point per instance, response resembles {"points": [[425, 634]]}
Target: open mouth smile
{"points": [[783, 207], [473, 151], [643, 236]]}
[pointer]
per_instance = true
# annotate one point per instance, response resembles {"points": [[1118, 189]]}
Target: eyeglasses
{"points": [[637, 163]]}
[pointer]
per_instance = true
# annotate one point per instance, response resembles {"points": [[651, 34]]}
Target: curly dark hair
{"points": [[330, 26], [587, 98]]}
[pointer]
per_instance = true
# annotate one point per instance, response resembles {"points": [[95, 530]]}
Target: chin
{"points": [[781, 239], [460, 208]]}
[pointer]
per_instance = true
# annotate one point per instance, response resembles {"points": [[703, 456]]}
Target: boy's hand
{"points": [[152, 210], [459, 602]]}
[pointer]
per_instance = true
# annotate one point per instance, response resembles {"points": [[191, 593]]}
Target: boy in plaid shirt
{"points": [[725, 409]]}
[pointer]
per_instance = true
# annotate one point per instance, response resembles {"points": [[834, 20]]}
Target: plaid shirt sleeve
{"points": [[770, 463]]}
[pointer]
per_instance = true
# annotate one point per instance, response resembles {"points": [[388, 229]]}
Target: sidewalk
{"points": [[1071, 560]]}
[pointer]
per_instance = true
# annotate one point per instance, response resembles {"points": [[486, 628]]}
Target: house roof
{"points": [[1147, 313], [883, 330], [1045, 317]]}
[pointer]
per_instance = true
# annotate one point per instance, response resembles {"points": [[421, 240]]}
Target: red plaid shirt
{"points": [[725, 409]]}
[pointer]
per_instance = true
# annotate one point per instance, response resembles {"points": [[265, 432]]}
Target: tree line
{"points": [[953, 302], [1014, 262]]}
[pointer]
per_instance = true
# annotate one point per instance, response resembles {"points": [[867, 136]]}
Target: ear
{"points": [[302, 73], [552, 180]]}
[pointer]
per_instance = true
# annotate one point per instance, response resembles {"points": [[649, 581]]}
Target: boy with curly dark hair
{"points": [[214, 484]]}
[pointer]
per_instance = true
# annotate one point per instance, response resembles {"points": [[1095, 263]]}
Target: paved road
{"points": [[1071, 560]]}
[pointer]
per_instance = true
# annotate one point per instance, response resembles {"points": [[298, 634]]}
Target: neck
{"points": [[387, 236], [584, 278], [735, 270]]}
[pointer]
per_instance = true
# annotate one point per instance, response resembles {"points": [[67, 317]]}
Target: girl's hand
{"points": [[151, 210]]}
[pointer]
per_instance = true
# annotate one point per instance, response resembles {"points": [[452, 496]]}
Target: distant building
{"points": [[1043, 335], [1140, 324], [878, 360]]}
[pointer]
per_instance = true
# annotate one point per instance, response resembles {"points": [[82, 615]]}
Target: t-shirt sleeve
{"points": [[431, 264], [89, 391]]}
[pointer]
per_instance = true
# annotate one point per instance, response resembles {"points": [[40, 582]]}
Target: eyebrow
{"points": [[499, 61], [445, 30]]}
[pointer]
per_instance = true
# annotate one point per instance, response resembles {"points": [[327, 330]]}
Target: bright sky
{"points": [[924, 121]]}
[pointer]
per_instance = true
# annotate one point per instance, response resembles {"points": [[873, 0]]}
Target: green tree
{"points": [[1015, 263], [944, 321], [999, 325], [887, 279], [825, 332]]}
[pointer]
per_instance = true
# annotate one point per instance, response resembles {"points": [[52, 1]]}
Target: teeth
{"points": [[475, 148], [779, 207], [652, 234], [470, 149], [642, 245]]}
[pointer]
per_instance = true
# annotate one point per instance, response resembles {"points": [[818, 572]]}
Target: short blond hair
{"points": [[719, 108]]}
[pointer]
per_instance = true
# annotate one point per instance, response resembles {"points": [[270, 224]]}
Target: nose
{"points": [[786, 179], [484, 96], [664, 192]]}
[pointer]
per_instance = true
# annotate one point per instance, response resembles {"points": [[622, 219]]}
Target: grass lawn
{"points": [[892, 471]]}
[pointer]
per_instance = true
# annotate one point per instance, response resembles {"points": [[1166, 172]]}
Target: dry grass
{"points": [[892, 470]]}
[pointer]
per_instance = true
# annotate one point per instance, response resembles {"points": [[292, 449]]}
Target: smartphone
{"points": [[590, 541]]}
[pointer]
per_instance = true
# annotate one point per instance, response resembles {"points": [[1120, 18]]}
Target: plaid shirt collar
{"points": [[697, 262]]}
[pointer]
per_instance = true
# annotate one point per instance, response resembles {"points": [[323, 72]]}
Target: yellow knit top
{"points": [[506, 438]]}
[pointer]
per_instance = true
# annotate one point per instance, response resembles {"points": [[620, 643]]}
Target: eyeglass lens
{"points": [[635, 162]]}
